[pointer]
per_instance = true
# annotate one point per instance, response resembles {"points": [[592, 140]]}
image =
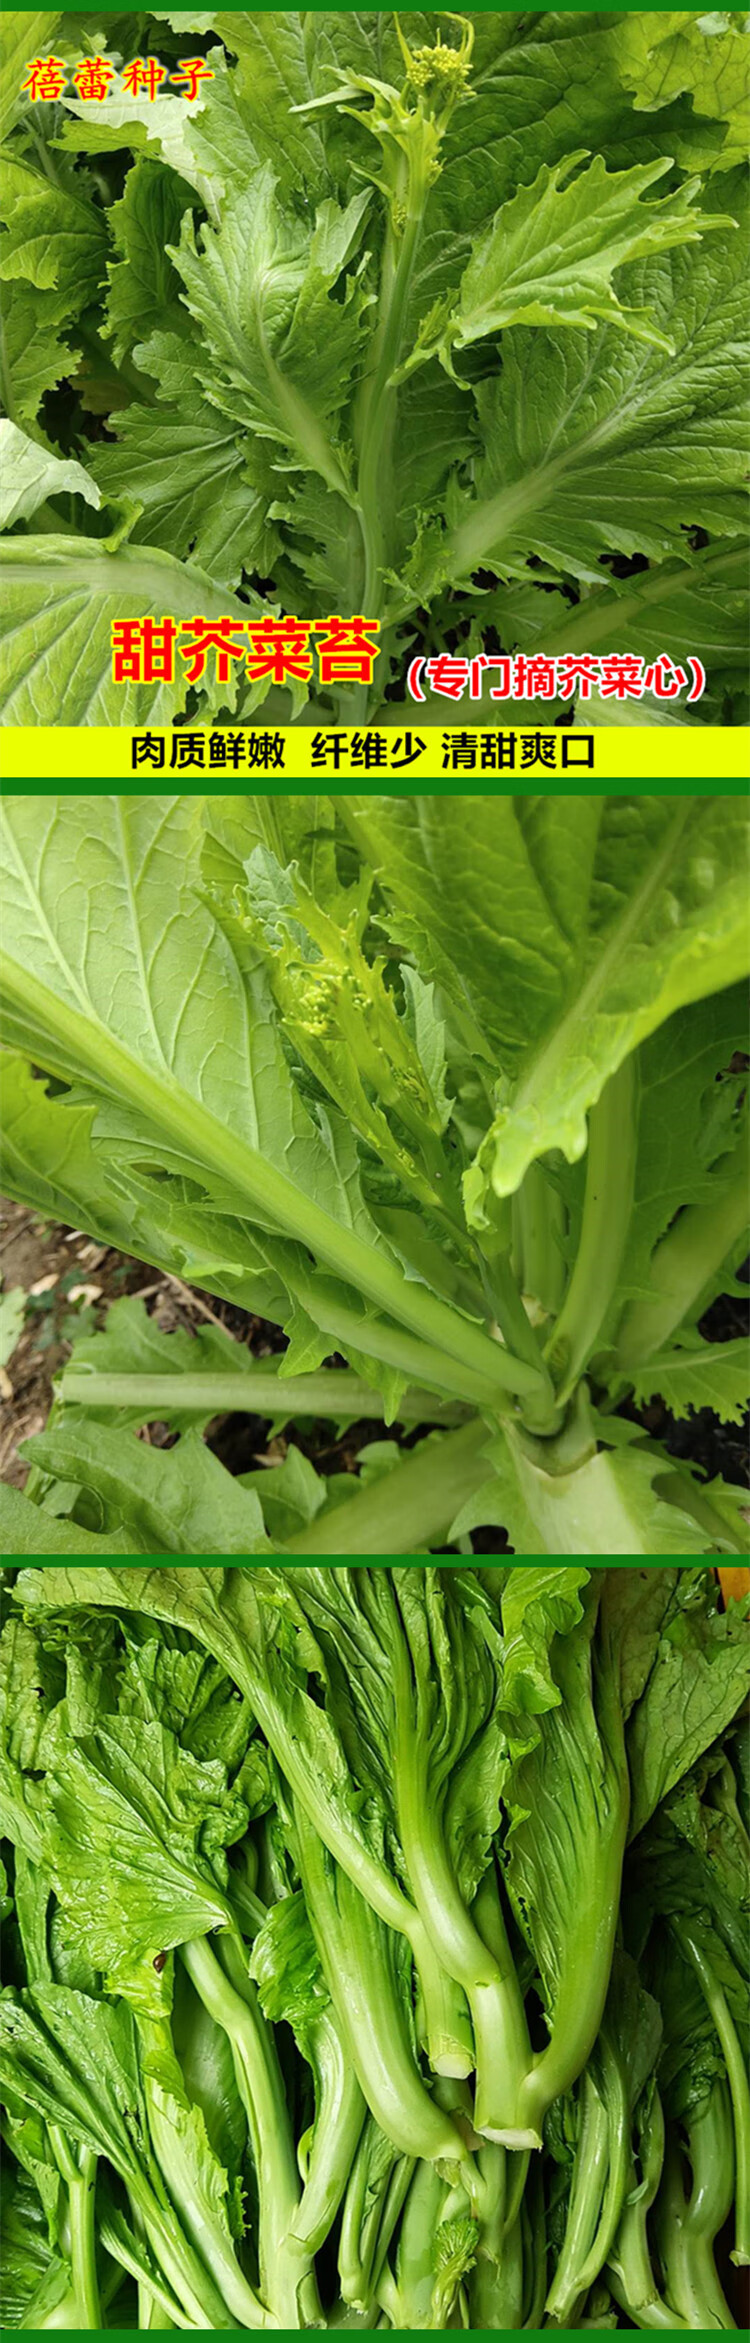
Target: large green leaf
{"points": [[29, 474], [697, 1684], [55, 238], [684, 610], [173, 1500], [661, 56], [273, 79], [689, 1213], [27, 1530], [112, 968], [74, 2060], [62, 597], [159, 127], [189, 467], [134, 1831], [279, 351], [571, 929], [689, 1121], [50, 1158], [143, 283], [35, 352], [550, 254], [25, 33], [595, 447]]}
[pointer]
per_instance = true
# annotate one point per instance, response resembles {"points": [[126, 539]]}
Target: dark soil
{"points": [[718, 1448], [69, 1282]]}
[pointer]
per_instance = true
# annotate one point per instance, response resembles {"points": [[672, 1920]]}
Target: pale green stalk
{"points": [[286, 2275], [689, 1257], [332, 1391], [607, 1208], [410, 1508]]}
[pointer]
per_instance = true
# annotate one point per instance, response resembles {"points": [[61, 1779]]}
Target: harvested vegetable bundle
{"points": [[376, 1947]]}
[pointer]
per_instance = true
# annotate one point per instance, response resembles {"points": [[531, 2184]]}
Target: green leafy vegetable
{"points": [[454, 1088], [332, 1993], [363, 326]]}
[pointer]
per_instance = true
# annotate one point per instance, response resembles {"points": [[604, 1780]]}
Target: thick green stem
{"points": [[410, 1509], [541, 1413], [188, 2280], [408, 2299], [586, 1956], [633, 2287], [332, 1391], [618, 2115], [372, 2206], [339, 2116], [501, 2041], [711, 2152], [82, 2203], [79, 2174], [586, 2196], [185, 2273], [377, 404], [736, 2077], [538, 1232], [686, 2229], [210, 2238], [157, 2307], [607, 1208], [599, 2187], [704, 1236], [358, 1963], [534, 2234], [417, 1359], [285, 2274], [444, 2011], [496, 2281]]}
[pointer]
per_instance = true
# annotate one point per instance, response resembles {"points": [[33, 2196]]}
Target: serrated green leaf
{"points": [[699, 1679], [134, 1827], [26, 1530], [62, 596], [37, 355], [569, 930], [670, 608], [279, 351], [30, 475], [592, 448], [173, 1500], [662, 56], [708, 1374], [550, 254], [143, 284], [273, 78], [157, 126], [190, 469], [55, 241]]}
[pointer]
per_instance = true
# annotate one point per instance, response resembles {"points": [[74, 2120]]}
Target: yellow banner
{"points": [[449, 753]]}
